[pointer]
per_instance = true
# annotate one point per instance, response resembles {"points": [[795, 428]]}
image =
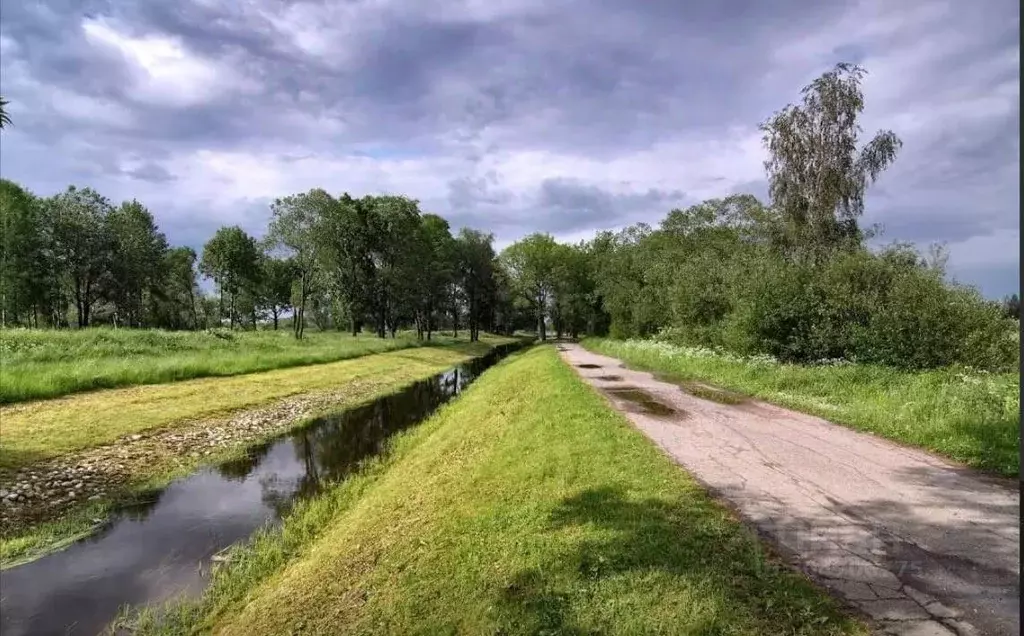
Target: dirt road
{"points": [[918, 545]]}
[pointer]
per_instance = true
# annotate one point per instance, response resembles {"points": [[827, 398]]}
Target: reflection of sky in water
{"points": [[160, 550], [145, 560]]}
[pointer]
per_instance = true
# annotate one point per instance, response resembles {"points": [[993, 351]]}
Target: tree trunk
{"points": [[274, 310], [192, 304]]}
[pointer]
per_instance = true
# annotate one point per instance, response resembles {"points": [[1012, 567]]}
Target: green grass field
{"points": [[37, 363], [971, 417], [42, 430], [527, 506]]}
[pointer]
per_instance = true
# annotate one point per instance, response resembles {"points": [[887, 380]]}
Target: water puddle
{"points": [[165, 547], [589, 366], [610, 378], [646, 402]]}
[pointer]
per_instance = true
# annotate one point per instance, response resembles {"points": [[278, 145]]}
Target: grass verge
{"points": [[970, 417], [527, 506], [39, 364], [47, 429]]}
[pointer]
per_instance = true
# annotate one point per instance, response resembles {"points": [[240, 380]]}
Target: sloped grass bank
{"points": [[526, 506], [969, 416]]}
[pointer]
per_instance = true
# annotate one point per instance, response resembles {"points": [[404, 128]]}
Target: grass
{"points": [[37, 364], [968, 416], [43, 430], [527, 506]]}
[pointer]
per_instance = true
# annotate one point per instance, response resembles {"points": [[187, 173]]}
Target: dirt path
{"points": [[920, 546]]}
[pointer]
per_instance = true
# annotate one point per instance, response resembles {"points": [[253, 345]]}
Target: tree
{"points": [[83, 245], [295, 226], [137, 259], [530, 263], [817, 176], [5, 119], [476, 265], [276, 291], [1011, 306], [436, 255], [344, 252], [393, 224], [175, 296], [26, 278], [231, 259]]}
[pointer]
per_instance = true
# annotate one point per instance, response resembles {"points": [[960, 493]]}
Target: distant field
{"points": [[37, 364], [969, 416]]}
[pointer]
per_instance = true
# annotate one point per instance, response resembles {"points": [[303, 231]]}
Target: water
{"points": [[164, 547]]}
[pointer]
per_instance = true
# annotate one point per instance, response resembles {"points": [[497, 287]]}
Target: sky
{"points": [[563, 116]]}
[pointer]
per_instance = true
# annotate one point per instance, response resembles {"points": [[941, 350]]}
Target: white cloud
{"points": [[167, 73]]}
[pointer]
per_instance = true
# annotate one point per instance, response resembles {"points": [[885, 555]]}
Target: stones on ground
{"points": [[49, 489]]}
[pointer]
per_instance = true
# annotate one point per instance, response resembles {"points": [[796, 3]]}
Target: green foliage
{"points": [[83, 245], [817, 175], [136, 261], [475, 263], [531, 264], [231, 258]]}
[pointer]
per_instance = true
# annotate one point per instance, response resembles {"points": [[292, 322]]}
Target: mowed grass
{"points": [[968, 416], [44, 429], [527, 506], [41, 430], [37, 363]]}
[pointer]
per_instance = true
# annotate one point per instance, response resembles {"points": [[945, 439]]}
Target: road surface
{"points": [[916, 544]]}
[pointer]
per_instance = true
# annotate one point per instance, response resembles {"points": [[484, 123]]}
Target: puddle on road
{"points": [[589, 366], [163, 548], [610, 378], [644, 400]]}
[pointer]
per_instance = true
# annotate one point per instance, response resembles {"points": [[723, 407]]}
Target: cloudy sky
{"points": [[566, 116]]}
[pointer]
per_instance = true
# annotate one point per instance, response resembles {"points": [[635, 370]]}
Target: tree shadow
{"points": [[684, 538]]}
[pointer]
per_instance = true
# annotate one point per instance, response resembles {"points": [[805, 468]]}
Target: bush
{"points": [[887, 308]]}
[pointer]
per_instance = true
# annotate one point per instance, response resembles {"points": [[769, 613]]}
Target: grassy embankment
{"points": [[42, 430], [527, 506], [970, 417], [36, 364]]}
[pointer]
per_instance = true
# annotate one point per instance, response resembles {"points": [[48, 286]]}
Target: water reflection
{"points": [[161, 546]]}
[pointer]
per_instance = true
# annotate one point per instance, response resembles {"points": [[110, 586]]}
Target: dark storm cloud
{"points": [[466, 90], [572, 206], [151, 172]]}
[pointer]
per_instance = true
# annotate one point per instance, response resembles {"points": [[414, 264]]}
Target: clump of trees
{"points": [[346, 263], [793, 279]]}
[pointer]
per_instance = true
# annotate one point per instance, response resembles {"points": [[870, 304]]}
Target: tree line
{"points": [[793, 277], [375, 263]]}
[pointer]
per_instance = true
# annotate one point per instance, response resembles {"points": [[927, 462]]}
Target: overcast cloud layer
{"points": [[514, 116]]}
